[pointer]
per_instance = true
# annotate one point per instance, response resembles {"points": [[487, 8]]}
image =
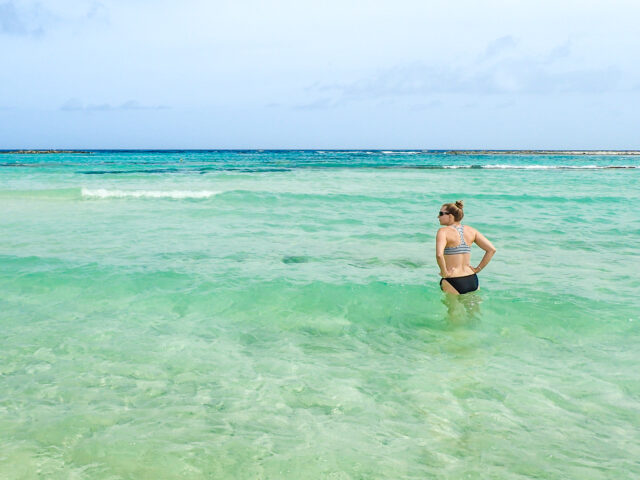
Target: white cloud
{"points": [[492, 73], [33, 18], [76, 105], [499, 45], [21, 21]]}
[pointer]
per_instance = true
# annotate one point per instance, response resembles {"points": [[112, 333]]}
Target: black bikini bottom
{"points": [[463, 284]]}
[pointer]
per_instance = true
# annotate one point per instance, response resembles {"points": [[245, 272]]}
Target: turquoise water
{"points": [[277, 315]]}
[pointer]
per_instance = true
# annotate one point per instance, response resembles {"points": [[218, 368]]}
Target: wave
{"points": [[400, 152], [542, 167], [176, 194]]}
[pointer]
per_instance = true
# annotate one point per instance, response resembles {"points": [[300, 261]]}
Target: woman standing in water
{"points": [[453, 251]]}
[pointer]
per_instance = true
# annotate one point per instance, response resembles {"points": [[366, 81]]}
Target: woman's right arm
{"points": [[441, 242], [489, 251]]}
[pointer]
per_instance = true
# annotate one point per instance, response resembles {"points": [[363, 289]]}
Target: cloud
{"points": [[24, 20], [499, 45], [492, 74], [433, 104], [76, 105], [31, 18], [10, 21], [559, 52], [97, 11], [505, 104], [134, 105], [319, 104]]}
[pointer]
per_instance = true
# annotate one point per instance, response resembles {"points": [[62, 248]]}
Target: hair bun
{"points": [[460, 204]]}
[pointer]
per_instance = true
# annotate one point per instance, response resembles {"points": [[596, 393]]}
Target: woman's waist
{"points": [[460, 271]]}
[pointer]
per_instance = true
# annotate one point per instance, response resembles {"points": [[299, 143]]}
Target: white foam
{"points": [[177, 194], [400, 152], [540, 167], [545, 167]]}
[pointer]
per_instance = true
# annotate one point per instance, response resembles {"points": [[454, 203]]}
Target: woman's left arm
{"points": [[489, 251]]}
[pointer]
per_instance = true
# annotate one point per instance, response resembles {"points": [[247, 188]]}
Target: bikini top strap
{"points": [[461, 232]]}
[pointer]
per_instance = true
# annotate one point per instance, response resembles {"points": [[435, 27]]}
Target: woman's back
{"points": [[457, 252]]}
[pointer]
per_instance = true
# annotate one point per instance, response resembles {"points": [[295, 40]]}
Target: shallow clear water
{"points": [[277, 315]]}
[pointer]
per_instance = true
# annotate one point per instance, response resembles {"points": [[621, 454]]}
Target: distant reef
{"points": [[543, 152], [43, 151]]}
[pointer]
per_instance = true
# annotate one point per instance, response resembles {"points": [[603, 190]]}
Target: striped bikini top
{"points": [[460, 249]]}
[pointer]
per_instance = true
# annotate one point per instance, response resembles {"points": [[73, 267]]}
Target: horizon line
{"points": [[381, 150]]}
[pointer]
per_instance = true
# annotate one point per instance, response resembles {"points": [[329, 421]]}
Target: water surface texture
{"points": [[248, 315]]}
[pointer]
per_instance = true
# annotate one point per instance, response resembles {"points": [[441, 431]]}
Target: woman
{"points": [[453, 251]]}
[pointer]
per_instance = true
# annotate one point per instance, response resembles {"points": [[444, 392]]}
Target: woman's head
{"points": [[453, 209]]}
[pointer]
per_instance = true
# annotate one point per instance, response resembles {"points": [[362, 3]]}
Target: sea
{"points": [[277, 315]]}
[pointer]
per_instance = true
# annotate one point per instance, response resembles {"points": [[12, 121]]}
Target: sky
{"points": [[405, 74]]}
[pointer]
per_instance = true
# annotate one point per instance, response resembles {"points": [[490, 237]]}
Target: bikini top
{"points": [[460, 249]]}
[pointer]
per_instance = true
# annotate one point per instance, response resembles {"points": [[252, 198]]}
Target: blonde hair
{"points": [[455, 209]]}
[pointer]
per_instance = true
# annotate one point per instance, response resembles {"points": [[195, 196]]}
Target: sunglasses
{"points": [[441, 213]]}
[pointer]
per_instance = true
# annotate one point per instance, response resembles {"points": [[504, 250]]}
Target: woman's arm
{"points": [[489, 251], [441, 242]]}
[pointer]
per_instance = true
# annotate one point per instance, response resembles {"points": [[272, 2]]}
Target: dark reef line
{"points": [[31, 152]]}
